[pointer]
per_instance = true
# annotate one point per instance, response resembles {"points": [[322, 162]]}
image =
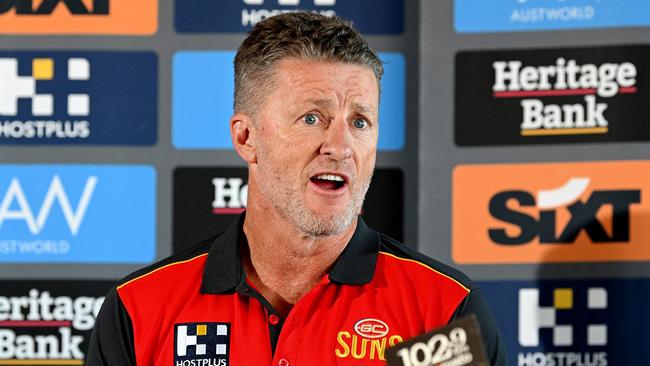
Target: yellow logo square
{"points": [[43, 68], [201, 329], [563, 298]]}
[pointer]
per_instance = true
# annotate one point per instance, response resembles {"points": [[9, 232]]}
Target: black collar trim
{"points": [[223, 269]]}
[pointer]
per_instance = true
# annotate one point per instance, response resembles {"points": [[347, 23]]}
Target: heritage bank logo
{"points": [[74, 213], [559, 212], [240, 16], [550, 96], [207, 201], [97, 98], [48, 322], [79, 17]]}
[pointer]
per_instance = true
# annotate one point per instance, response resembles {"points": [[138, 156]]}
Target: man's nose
{"points": [[337, 141]]}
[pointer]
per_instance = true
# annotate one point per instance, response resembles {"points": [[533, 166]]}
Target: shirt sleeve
{"points": [[474, 303], [111, 342]]}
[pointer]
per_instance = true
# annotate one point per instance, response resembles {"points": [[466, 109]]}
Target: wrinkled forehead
{"points": [[317, 76], [274, 66]]}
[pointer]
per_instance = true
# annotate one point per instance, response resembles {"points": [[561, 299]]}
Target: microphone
{"points": [[459, 343]]}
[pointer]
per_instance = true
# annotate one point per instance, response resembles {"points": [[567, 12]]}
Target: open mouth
{"points": [[329, 182]]}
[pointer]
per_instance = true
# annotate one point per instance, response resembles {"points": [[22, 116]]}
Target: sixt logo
{"points": [[533, 318], [14, 87], [565, 78], [551, 212], [370, 341], [47, 328], [583, 214], [76, 7], [230, 196], [252, 16], [201, 344]]}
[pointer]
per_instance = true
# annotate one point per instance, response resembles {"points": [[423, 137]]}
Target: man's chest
{"points": [[327, 327]]}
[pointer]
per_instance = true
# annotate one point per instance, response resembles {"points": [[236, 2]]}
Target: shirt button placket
{"points": [[273, 319]]}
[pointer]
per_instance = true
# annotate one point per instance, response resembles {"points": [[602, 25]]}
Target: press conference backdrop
{"points": [[513, 145]]}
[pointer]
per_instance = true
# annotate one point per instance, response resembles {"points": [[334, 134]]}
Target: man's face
{"points": [[316, 143]]}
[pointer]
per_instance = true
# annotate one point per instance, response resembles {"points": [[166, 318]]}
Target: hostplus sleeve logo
{"points": [[534, 319], [550, 96], [202, 344], [77, 98]]}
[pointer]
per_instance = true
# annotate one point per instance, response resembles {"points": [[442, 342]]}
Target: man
{"points": [[294, 280]]}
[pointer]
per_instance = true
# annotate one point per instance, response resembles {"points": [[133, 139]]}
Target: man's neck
{"points": [[284, 263]]}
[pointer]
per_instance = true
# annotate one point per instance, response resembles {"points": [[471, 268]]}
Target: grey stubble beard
{"points": [[286, 201]]}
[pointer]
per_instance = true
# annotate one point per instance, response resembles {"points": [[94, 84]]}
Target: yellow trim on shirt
{"points": [[158, 269], [425, 266]]}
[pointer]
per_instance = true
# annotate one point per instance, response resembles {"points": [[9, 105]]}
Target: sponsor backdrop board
{"points": [[90, 17], [530, 96], [520, 206], [572, 322], [208, 200], [78, 98], [425, 33], [551, 212], [203, 98], [48, 322], [77, 213], [472, 16], [239, 16], [94, 83]]}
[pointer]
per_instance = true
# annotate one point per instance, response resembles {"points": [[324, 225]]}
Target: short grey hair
{"points": [[303, 35]]}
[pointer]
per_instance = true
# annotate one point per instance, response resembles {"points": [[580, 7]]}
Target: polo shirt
{"points": [[197, 308]]}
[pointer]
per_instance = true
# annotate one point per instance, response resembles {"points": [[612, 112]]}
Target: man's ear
{"points": [[242, 131]]}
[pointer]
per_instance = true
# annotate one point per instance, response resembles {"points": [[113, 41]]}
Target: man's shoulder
{"points": [[168, 269], [413, 261]]}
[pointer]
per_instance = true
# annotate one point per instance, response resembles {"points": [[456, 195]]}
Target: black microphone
{"points": [[459, 343]]}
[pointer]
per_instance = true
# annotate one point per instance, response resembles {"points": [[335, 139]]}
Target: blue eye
{"points": [[360, 123], [310, 119]]}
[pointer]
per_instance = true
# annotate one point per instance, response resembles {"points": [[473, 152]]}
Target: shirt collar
{"points": [[223, 269]]}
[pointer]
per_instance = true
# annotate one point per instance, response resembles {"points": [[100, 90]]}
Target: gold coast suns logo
{"points": [[369, 340]]}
